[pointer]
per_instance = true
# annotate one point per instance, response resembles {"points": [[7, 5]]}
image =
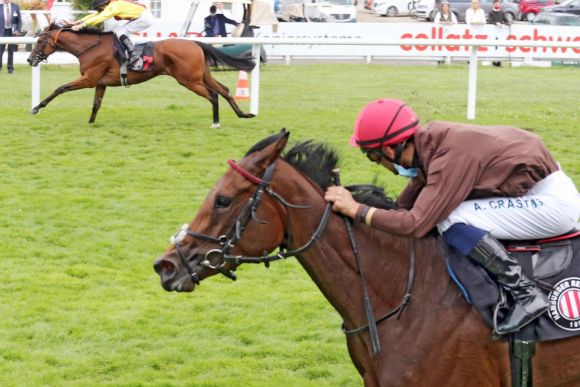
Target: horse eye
{"points": [[222, 201]]}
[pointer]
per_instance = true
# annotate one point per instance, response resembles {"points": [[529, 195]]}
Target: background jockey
{"points": [[475, 184], [131, 17]]}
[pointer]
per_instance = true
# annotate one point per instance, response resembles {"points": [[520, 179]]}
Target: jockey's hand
{"points": [[63, 23], [343, 201], [77, 27]]}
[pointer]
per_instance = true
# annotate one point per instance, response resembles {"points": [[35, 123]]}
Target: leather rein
{"points": [[228, 240]]}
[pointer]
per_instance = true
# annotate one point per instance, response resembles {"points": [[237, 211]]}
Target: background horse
{"points": [[439, 340], [186, 61]]}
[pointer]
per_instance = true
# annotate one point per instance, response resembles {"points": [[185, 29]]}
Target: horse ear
{"points": [[272, 152]]}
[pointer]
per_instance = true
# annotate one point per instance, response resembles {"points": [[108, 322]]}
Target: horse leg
{"points": [[99, 93], [213, 84], [80, 83], [216, 109], [200, 89]]}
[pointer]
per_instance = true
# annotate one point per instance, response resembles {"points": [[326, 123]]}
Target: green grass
{"points": [[86, 209]]}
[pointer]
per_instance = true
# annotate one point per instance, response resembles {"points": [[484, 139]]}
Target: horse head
{"points": [[240, 216], [46, 44]]}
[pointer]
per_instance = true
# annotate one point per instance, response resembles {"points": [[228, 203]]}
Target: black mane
{"points": [[317, 162]]}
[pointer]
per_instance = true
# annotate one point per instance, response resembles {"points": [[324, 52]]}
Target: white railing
{"points": [[257, 43]]}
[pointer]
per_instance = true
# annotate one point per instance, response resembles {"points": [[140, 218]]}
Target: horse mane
{"points": [[317, 161]]}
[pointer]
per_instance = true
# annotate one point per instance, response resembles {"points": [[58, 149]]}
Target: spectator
{"points": [[497, 17], [474, 15], [215, 22], [445, 16], [10, 25]]}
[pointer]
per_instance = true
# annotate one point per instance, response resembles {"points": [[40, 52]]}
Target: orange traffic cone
{"points": [[242, 87]]}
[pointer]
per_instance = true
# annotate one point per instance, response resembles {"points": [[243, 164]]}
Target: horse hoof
{"points": [[250, 115], [215, 126], [34, 111]]}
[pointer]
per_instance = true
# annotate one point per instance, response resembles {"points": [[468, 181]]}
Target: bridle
{"points": [[228, 240], [53, 42]]}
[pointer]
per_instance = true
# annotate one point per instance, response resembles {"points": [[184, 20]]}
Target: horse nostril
{"points": [[164, 268]]}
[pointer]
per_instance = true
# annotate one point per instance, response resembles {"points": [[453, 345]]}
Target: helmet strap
{"points": [[416, 162]]}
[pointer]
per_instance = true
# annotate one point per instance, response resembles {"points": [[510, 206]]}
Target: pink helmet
{"points": [[385, 121]]}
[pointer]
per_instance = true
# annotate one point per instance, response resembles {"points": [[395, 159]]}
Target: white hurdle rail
{"points": [[257, 43]]}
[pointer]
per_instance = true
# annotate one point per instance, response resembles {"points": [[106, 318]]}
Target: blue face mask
{"points": [[406, 172]]}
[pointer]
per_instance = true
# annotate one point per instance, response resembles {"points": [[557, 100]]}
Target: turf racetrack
{"points": [[86, 209]]}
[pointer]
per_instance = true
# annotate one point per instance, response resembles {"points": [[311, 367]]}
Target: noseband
{"points": [[228, 240]]}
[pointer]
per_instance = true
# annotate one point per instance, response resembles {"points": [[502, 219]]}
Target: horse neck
{"points": [[384, 258], [76, 44]]}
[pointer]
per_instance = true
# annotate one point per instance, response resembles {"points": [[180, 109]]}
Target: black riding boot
{"points": [[530, 302], [134, 60]]}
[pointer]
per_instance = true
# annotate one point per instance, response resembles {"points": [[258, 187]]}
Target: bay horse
{"points": [[266, 200], [186, 61]]}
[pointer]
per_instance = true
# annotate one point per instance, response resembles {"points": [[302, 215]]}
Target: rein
{"points": [[98, 42], [399, 309], [372, 324]]}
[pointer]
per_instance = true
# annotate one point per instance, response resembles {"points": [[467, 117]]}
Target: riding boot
{"points": [[134, 60], [529, 301]]}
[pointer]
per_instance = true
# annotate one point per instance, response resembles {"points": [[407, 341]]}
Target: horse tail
{"points": [[215, 57]]}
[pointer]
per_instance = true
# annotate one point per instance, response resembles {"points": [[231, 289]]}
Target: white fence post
{"points": [[35, 91], [472, 86], [255, 82]]}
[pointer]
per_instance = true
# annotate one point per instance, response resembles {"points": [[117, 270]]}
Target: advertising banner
{"points": [[419, 30]]}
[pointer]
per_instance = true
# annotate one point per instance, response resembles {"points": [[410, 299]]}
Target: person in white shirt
{"points": [[445, 16], [475, 15]]}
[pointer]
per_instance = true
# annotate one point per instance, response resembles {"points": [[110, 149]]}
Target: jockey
{"points": [[131, 16], [475, 184]]}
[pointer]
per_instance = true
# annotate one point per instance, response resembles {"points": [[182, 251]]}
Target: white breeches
{"points": [[127, 27], [550, 208]]}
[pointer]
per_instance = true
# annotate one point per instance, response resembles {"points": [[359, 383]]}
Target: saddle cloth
{"points": [[555, 266], [145, 50]]}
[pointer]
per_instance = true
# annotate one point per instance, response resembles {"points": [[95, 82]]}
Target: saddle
{"points": [[146, 52], [553, 263]]}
